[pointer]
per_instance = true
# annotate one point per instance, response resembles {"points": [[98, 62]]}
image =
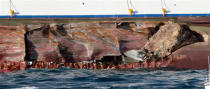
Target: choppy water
{"points": [[104, 79]]}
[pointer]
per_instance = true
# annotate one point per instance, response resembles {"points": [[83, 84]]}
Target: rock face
{"points": [[168, 39]]}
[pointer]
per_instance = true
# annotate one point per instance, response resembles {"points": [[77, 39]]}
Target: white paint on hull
{"points": [[103, 7]]}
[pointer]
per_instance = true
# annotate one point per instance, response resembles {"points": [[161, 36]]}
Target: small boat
{"points": [[207, 83]]}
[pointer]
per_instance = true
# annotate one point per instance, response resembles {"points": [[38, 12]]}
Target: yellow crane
{"points": [[130, 7], [164, 6]]}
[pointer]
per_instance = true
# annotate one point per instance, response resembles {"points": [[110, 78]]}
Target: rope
{"points": [[12, 6], [132, 5], [163, 4], [128, 4]]}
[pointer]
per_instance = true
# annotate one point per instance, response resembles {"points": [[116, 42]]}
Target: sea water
{"points": [[65, 78]]}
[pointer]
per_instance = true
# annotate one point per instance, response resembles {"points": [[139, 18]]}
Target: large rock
{"points": [[168, 39]]}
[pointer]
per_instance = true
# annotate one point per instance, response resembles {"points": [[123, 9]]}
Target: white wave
{"points": [[27, 88]]}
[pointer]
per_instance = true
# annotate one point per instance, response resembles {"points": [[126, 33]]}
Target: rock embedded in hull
{"points": [[168, 39]]}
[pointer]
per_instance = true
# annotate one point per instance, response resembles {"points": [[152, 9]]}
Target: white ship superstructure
{"points": [[102, 8]]}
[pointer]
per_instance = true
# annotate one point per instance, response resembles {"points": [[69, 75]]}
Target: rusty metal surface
{"points": [[12, 44], [12, 48], [71, 45], [199, 21], [80, 42], [192, 57]]}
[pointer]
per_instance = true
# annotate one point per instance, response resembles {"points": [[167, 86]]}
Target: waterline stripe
{"points": [[101, 16]]}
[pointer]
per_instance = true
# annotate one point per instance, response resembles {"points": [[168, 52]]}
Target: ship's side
{"points": [[102, 8]]}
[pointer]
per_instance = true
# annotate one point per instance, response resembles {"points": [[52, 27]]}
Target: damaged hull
{"points": [[101, 45]]}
